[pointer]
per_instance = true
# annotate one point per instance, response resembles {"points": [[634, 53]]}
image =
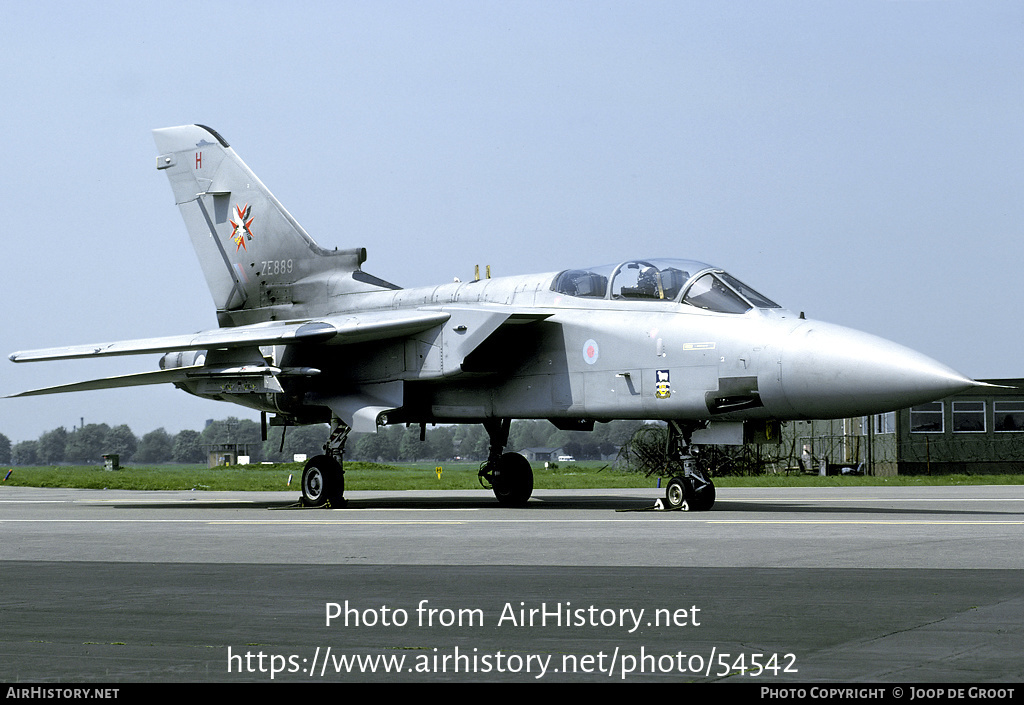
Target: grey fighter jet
{"points": [[306, 337]]}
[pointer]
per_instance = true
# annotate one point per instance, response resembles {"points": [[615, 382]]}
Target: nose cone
{"points": [[828, 371]]}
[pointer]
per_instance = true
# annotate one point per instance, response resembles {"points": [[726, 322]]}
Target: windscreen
{"points": [[711, 294]]}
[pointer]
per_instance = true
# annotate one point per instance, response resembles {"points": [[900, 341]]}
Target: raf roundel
{"points": [[590, 351]]}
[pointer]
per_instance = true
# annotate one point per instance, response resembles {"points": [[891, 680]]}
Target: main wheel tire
{"points": [[512, 480], [323, 481], [675, 493]]}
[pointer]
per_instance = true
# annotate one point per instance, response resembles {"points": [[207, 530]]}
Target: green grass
{"points": [[422, 476]]}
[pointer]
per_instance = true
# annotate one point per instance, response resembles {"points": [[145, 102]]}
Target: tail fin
{"points": [[259, 263]]}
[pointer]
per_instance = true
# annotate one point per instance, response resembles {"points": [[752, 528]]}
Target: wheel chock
{"points": [[659, 506], [329, 504]]}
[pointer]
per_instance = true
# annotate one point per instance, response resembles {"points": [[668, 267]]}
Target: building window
{"points": [[968, 417], [885, 423], [927, 418], [1009, 415]]}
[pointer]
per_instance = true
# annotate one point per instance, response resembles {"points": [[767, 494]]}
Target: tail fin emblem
{"points": [[241, 231]]}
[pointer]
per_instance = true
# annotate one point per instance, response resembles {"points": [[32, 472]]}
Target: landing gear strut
{"points": [[323, 477], [509, 475], [693, 487]]}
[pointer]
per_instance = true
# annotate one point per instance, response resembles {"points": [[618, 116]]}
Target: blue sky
{"points": [[860, 161]]}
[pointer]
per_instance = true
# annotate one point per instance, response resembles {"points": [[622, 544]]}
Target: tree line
{"points": [[88, 443]]}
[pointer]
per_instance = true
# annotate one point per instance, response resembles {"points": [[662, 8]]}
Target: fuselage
{"points": [[521, 347]]}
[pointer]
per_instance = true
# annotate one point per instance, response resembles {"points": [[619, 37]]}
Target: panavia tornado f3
{"points": [[306, 336]]}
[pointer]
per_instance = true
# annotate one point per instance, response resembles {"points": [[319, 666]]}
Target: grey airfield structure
{"points": [[306, 336], [976, 431]]}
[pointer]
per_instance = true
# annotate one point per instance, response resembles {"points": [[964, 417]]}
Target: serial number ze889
{"points": [[276, 266]]}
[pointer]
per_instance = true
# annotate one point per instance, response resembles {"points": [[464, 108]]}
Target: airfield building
{"points": [[977, 431]]}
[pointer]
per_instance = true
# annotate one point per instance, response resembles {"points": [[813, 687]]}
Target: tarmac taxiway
{"points": [[881, 584]]}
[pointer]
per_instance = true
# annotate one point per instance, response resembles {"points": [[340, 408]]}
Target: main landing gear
{"points": [[323, 477], [509, 475], [690, 487]]}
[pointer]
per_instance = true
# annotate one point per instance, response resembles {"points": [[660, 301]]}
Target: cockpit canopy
{"points": [[693, 283]]}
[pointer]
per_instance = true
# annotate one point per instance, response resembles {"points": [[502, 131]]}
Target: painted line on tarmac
{"points": [[782, 498], [456, 522]]}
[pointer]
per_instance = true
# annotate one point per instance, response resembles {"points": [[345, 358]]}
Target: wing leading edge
{"points": [[133, 380], [330, 330]]}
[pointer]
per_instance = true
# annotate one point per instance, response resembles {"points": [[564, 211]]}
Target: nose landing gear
{"points": [[693, 489], [694, 492]]}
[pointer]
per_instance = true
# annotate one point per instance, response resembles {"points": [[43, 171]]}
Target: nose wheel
{"points": [[694, 492], [675, 493]]}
